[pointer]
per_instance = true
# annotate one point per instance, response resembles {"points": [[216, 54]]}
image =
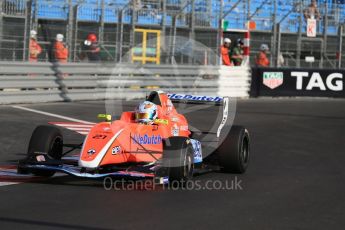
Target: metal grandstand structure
{"points": [[279, 23]]}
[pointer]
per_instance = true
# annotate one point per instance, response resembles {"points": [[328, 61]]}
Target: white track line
{"points": [[76, 129], [83, 133], [8, 183], [51, 114]]}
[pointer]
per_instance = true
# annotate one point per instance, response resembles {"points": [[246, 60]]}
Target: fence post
{"points": [[119, 36], [191, 30], [75, 36], [101, 23], [132, 35], [220, 33], [173, 41], [27, 29], [299, 39], [340, 44], [69, 32], [274, 57], [324, 41], [248, 10], [1, 29], [279, 38], [163, 23], [35, 17]]}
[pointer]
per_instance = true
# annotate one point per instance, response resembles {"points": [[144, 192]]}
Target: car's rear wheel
{"points": [[178, 159], [48, 140], [233, 152]]}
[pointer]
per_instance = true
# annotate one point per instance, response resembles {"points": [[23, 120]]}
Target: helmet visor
{"points": [[142, 116]]}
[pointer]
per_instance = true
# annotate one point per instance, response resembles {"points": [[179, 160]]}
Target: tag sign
{"points": [[310, 59], [311, 28]]}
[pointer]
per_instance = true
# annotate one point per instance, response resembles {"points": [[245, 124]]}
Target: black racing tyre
{"points": [[178, 159], [46, 139], [233, 152]]}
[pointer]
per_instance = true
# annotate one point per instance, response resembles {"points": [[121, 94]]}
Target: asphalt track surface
{"points": [[296, 177]]}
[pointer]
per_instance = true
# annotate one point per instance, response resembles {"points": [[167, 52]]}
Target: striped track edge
{"points": [[81, 128]]}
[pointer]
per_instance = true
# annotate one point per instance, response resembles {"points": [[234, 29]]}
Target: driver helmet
{"points": [[264, 47], [92, 38], [227, 40], [59, 37], [33, 34], [146, 112], [239, 42]]}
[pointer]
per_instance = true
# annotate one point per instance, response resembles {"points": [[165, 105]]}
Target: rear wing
{"points": [[195, 99], [222, 115]]}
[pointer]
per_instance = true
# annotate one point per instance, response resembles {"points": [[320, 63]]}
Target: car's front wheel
{"points": [[48, 140], [178, 159]]}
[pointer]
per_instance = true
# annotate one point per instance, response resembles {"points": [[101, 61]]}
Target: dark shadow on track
{"points": [[47, 224], [292, 115]]}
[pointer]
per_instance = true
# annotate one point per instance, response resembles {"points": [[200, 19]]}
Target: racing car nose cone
{"points": [[91, 152]]}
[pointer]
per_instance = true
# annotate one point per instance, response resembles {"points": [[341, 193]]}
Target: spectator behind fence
{"points": [[237, 53], [136, 4], [91, 49], [281, 60], [225, 52], [34, 48], [312, 12], [60, 49], [262, 59]]}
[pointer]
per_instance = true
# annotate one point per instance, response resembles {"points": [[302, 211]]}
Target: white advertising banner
{"points": [[311, 28]]}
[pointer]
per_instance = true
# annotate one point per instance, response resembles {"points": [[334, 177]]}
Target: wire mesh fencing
{"points": [[199, 20]]}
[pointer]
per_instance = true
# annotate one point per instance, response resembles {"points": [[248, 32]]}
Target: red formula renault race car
{"points": [[164, 148]]}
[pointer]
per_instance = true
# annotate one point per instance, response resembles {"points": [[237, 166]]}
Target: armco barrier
{"points": [[234, 81], [24, 82], [278, 82]]}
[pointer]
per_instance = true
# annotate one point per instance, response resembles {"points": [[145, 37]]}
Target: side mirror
{"points": [[104, 117]]}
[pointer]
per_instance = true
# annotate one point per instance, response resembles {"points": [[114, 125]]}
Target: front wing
{"points": [[76, 171]]}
